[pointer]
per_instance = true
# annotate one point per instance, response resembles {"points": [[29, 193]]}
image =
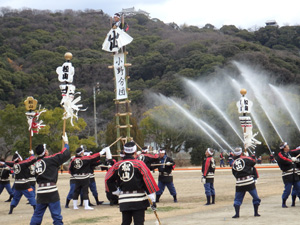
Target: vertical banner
{"points": [[120, 76], [244, 106]]}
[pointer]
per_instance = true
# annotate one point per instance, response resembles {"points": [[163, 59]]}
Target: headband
{"points": [[209, 150], [238, 151], [283, 145], [78, 153], [130, 149]]}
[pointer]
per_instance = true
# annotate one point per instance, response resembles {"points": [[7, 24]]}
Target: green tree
{"points": [[135, 133], [166, 127], [14, 127]]}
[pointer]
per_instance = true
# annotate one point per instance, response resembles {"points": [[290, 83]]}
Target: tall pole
{"points": [[30, 105], [95, 116]]}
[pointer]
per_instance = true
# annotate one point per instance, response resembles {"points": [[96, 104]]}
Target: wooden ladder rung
{"points": [[123, 114], [122, 102], [124, 126]]}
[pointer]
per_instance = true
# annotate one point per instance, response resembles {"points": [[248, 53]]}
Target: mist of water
{"points": [[195, 87], [249, 78], [216, 97], [285, 104], [255, 117], [165, 100]]}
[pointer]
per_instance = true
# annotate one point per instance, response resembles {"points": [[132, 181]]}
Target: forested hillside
{"points": [[33, 44]]}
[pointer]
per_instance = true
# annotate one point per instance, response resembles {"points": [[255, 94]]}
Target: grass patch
{"points": [[90, 220], [163, 209]]}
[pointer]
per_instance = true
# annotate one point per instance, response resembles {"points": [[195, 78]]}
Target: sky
{"points": [[243, 14]]}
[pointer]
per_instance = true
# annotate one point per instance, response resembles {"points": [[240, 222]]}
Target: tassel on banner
{"points": [[33, 116], [69, 103], [65, 74]]}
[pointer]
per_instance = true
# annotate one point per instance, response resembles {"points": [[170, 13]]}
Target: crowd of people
{"points": [[129, 182]]}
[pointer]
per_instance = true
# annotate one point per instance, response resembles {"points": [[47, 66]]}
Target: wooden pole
{"points": [[115, 142], [30, 140], [138, 146], [64, 131], [154, 211]]}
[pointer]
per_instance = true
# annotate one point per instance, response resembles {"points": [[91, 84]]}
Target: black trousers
{"points": [[81, 186], [138, 217]]}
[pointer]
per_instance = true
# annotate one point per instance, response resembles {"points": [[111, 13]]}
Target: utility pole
{"points": [[96, 89]]}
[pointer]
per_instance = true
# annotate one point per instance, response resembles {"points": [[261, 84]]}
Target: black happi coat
{"points": [[22, 172], [46, 169], [245, 173], [288, 167], [134, 180]]}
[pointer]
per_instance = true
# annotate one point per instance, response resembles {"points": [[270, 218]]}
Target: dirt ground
{"points": [[190, 208]]}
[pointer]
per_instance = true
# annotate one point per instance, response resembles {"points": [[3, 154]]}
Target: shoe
{"points": [[284, 203], [67, 203], [175, 198], [237, 212], [75, 204], [256, 210], [11, 209], [207, 200], [86, 205]]}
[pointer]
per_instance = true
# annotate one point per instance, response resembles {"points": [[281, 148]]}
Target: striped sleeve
{"points": [[207, 164], [109, 178], [285, 159], [147, 176]]}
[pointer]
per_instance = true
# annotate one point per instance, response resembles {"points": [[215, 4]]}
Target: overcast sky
{"points": [[243, 14]]}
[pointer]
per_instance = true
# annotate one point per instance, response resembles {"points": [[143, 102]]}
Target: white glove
{"points": [[104, 150], [203, 180], [152, 197], [108, 154], [154, 152], [169, 164], [117, 192], [294, 159], [256, 181], [31, 152], [65, 138]]}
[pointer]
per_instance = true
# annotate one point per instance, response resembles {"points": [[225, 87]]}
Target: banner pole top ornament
{"points": [[243, 92], [68, 56], [30, 103]]}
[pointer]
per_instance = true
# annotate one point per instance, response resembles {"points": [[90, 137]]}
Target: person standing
{"points": [[287, 162], [22, 184], [80, 168], [230, 159], [148, 159], [92, 185], [133, 182], [72, 188], [165, 177], [4, 180], [118, 23], [222, 162], [246, 176], [46, 168], [272, 158], [208, 174]]}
